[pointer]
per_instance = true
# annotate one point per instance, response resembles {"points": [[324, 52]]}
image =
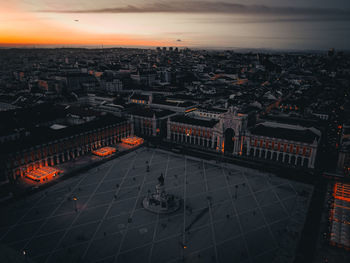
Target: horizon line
{"points": [[103, 46]]}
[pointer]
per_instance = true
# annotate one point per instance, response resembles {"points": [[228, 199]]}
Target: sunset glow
{"points": [[195, 23], [18, 27]]}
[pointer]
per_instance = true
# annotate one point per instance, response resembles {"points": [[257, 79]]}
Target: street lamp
{"points": [[25, 255], [75, 199]]}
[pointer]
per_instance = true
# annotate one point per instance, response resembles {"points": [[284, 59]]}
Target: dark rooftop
{"points": [[148, 112], [40, 135], [139, 97], [175, 104], [213, 110], [306, 135], [193, 121]]}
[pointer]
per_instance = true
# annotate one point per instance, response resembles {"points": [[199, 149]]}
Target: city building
{"points": [[343, 164], [47, 147], [150, 121], [219, 131], [140, 99], [284, 143]]}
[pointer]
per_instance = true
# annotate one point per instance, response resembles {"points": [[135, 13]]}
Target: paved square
{"points": [[229, 214]]}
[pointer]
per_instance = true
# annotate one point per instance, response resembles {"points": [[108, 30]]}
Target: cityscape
{"points": [[163, 147]]}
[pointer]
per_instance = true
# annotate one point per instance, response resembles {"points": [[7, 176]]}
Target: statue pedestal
{"points": [[161, 202]]}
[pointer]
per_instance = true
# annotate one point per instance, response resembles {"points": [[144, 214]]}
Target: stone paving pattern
{"points": [[229, 214]]}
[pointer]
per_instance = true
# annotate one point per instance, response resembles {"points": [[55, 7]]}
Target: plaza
{"points": [[228, 214]]}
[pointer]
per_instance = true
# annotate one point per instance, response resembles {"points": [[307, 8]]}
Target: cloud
{"points": [[202, 7], [179, 40], [270, 19]]}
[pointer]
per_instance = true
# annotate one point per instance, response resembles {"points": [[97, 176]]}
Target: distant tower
{"points": [[331, 52]]}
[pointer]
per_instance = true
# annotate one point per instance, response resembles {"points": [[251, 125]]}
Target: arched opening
{"points": [[299, 161], [286, 158], [229, 141], [268, 156], [244, 150], [274, 156], [292, 159], [280, 157]]}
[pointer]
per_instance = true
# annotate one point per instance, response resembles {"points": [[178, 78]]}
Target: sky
{"points": [[270, 24]]}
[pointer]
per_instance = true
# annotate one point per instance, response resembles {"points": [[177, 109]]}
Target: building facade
{"points": [[62, 145], [287, 144], [222, 132], [150, 122]]}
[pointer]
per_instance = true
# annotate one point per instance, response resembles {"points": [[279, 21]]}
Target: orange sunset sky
{"points": [[194, 23], [20, 27]]}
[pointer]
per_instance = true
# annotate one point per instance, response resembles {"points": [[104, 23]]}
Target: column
{"points": [[248, 146], [141, 124], [154, 125], [313, 157], [235, 145], [168, 129]]}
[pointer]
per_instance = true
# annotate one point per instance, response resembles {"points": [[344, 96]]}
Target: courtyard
{"points": [[229, 214]]}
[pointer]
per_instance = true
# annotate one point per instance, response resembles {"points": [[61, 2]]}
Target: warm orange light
{"points": [[342, 191], [42, 174], [133, 141], [189, 110], [105, 151]]}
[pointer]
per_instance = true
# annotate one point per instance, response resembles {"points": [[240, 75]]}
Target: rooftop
{"points": [[148, 112], [194, 121], [174, 104], [286, 132], [139, 97], [40, 135]]}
